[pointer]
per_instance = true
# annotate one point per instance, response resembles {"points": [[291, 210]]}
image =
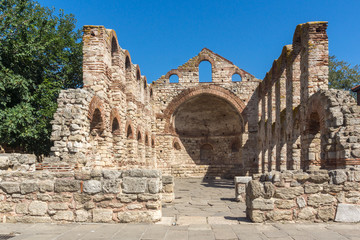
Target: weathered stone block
{"points": [[262, 204], [82, 198], [289, 193], [127, 198], [111, 174], [147, 197], [37, 208], [255, 189], [307, 213], [92, 186], [111, 186], [134, 206], [269, 190], [28, 187], [153, 205], [347, 213], [312, 188], [46, 186], [10, 187], [326, 213], [300, 202], [167, 179], [64, 216], [82, 216], [279, 215], [317, 200], [134, 185], [67, 185], [243, 180], [337, 176], [148, 173], [153, 185], [32, 219], [102, 215], [58, 206], [21, 208], [285, 204], [6, 207], [257, 216]]}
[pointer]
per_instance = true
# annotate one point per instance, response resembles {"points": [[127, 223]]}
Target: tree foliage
{"points": [[40, 54], [342, 75]]}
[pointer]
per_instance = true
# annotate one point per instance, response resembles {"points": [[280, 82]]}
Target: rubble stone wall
{"points": [[315, 196], [82, 196]]}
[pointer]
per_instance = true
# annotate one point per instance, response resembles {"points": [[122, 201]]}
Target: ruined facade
{"points": [[288, 120], [119, 141]]}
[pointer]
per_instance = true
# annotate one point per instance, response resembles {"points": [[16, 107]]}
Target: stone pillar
{"points": [[240, 187]]}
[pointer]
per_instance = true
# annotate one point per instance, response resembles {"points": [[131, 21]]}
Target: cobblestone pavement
{"points": [[203, 210]]}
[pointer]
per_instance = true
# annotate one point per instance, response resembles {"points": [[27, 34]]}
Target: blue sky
{"points": [[161, 35]]}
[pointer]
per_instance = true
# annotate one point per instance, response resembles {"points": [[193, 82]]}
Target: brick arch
{"points": [[127, 55], [114, 114], [127, 126], [138, 73], [192, 92], [152, 141], [138, 131], [239, 71], [147, 139], [174, 72], [203, 57], [95, 103]]}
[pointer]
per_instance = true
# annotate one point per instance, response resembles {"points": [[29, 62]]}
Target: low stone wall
{"points": [[85, 196], [17, 162], [315, 196]]}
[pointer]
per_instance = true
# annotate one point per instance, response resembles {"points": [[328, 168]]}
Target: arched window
{"points": [[236, 77], [127, 63], [139, 138], [129, 132], [152, 143], [177, 145], [96, 122], [206, 153], [151, 92], [174, 78], [115, 126], [114, 47], [146, 140], [145, 84], [138, 75], [205, 71]]}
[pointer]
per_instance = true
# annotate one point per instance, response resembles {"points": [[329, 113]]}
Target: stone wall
{"points": [[82, 196], [17, 162], [223, 128], [315, 196]]}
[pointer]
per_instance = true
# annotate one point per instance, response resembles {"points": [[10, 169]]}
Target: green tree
{"points": [[40, 54], [342, 75]]}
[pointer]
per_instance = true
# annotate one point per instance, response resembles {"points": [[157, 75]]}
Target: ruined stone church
{"points": [[290, 120]]}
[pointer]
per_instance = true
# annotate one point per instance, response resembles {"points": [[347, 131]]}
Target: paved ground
{"points": [[194, 231], [205, 201], [203, 210]]}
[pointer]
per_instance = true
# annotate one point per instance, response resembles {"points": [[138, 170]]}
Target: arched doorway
{"points": [[210, 128]]}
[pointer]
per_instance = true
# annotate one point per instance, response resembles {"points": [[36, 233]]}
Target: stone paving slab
{"points": [[104, 231]]}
